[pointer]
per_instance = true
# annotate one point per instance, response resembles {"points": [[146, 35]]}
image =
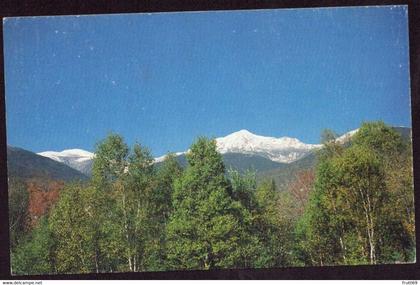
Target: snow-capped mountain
{"points": [[280, 150], [162, 158], [346, 137], [284, 149], [78, 159]]}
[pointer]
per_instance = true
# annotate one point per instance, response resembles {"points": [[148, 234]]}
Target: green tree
{"points": [[100, 218], [73, 230], [354, 215], [135, 200], [166, 176], [362, 184], [319, 231], [18, 210], [243, 188], [383, 140], [396, 237], [34, 254], [204, 230], [169, 171], [135, 205], [110, 161], [274, 225], [109, 166]]}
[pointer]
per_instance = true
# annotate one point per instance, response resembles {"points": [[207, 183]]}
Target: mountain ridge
{"points": [[26, 164], [78, 159], [282, 150], [240, 150]]}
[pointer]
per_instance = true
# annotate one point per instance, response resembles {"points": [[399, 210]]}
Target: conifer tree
{"points": [[204, 230]]}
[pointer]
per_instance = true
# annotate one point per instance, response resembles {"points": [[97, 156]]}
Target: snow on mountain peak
{"points": [[77, 152], [242, 132], [284, 149], [78, 159], [67, 153], [346, 137], [162, 158]]}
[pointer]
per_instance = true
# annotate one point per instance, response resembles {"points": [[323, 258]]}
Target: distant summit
{"points": [[78, 159], [283, 150], [278, 150]]}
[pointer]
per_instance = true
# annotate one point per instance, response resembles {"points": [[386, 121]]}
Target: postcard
{"points": [[209, 140]]}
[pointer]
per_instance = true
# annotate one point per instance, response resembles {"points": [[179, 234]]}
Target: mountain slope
{"points": [[241, 150], [243, 162], [242, 147], [238, 161], [282, 176], [78, 159], [285, 174], [25, 164]]}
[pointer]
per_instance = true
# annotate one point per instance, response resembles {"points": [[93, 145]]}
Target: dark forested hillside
{"points": [[34, 185], [25, 164], [241, 162]]}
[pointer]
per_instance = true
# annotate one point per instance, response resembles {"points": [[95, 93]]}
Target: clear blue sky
{"points": [[163, 79]]}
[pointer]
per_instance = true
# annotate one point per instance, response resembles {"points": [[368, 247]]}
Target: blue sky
{"points": [[163, 79]]}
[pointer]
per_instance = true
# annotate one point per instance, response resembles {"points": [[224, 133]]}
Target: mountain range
{"points": [[241, 150], [276, 158]]}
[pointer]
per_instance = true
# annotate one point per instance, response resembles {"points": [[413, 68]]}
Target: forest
{"points": [[355, 207]]}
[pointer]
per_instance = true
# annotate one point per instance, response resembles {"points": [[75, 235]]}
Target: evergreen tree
{"points": [[204, 230], [243, 188]]}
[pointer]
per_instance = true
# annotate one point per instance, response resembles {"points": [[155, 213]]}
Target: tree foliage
{"points": [[204, 229], [34, 254], [18, 210], [355, 209]]}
